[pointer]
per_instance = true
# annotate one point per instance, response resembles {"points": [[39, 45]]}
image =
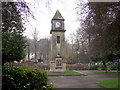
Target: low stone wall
{"points": [[38, 65], [47, 66]]}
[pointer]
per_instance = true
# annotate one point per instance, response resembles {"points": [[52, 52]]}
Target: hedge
{"points": [[24, 77], [113, 66]]}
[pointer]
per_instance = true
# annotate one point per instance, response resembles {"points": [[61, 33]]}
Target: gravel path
{"points": [[89, 81]]}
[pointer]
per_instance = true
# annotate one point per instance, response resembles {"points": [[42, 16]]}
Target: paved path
{"points": [[89, 81]]}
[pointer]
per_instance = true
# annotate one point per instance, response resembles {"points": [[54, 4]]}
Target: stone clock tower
{"points": [[58, 62]]}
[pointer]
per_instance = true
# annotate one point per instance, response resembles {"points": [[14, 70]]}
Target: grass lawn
{"points": [[112, 83], [96, 71], [62, 73]]}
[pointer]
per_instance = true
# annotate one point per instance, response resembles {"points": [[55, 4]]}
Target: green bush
{"points": [[48, 87], [112, 65], [94, 67], [102, 67], [23, 77]]}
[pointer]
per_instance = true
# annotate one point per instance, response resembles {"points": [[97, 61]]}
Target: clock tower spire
{"points": [[58, 15]]}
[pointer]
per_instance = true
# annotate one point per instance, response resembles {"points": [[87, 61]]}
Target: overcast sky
{"points": [[44, 15]]}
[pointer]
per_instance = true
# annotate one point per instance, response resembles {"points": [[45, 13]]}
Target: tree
{"points": [[13, 43], [80, 47], [13, 47], [104, 59], [44, 49], [101, 26], [98, 25], [28, 50], [35, 38]]}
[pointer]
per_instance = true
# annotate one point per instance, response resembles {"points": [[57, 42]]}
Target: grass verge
{"points": [[63, 73], [96, 71], [112, 83]]}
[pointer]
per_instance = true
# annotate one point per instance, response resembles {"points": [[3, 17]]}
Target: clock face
{"points": [[58, 24]]}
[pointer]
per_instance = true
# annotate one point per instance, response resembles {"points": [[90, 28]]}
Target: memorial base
{"points": [[58, 65]]}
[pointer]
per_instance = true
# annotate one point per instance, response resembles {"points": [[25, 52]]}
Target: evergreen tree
{"points": [[13, 42]]}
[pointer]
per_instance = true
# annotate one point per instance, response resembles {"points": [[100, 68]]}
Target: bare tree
{"points": [[44, 49], [35, 34]]}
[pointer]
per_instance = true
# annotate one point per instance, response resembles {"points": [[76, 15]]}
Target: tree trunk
{"points": [[104, 63], [28, 52]]}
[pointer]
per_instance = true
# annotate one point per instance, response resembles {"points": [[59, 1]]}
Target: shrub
{"points": [[23, 77], [94, 67], [102, 67], [48, 87], [112, 65]]}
